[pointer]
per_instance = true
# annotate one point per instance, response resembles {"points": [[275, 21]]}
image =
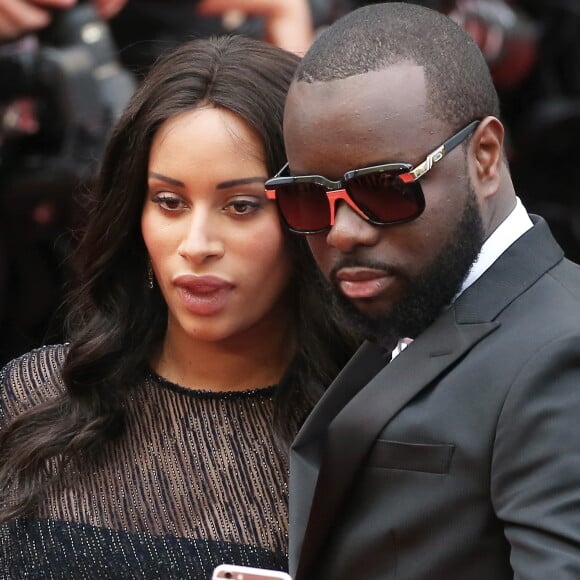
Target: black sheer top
{"points": [[196, 480]]}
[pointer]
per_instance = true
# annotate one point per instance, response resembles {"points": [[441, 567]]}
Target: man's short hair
{"points": [[459, 83]]}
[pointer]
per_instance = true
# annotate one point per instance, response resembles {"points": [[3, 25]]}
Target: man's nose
{"points": [[350, 229]]}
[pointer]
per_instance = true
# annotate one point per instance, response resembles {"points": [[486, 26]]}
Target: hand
{"points": [[18, 17], [287, 23], [109, 8]]}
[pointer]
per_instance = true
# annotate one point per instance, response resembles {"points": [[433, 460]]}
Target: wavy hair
{"points": [[115, 323]]}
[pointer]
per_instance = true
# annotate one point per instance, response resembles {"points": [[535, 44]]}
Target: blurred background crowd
{"points": [[66, 73]]}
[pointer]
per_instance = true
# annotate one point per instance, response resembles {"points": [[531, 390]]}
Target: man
{"points": [[457, 457]]}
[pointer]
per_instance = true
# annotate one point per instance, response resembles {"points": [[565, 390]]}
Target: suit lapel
{"points": [[341, 430], [307, 447], [355, 428], [362, 367]]}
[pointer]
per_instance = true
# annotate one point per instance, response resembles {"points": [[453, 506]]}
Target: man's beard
{"points": [[428, 294]]}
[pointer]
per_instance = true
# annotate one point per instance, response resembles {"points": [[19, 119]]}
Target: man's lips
{"points": [[357, 283]]}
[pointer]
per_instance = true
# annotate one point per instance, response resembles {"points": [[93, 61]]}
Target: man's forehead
{"points": [[396, 89], [357, 108]]}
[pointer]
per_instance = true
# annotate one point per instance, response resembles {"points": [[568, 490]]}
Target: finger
{"points": [[255, 7], [109, 8], [46, 4], [18, 17]]}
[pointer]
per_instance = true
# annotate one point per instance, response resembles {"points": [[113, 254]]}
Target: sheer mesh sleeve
{"points": [[196, 480], [29, 380]]}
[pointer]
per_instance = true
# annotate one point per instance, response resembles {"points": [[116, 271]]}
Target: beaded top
{"points": [[196, 480]]}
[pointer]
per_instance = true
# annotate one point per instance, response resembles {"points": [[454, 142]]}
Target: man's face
{"points": [[390, 281]]}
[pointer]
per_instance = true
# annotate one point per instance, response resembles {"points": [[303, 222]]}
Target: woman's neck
{"points": [[247, 361]]}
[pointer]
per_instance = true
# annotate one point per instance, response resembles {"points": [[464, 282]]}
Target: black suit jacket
{"points": [[460, 459]]}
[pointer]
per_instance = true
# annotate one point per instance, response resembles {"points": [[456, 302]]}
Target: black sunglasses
{"points": [[382, 194]]}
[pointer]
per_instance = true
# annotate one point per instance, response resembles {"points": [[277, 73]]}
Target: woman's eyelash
{"points": [[240, 206], [244, 206], [166, 201]]}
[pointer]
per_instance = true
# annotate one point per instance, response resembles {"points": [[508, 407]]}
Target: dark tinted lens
{"points": [[304, 206], [385, 198]]}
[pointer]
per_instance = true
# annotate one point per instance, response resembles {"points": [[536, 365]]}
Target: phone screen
{"points": [[232, 572]]}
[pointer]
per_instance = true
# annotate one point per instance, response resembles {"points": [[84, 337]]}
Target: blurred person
{"points": [[287, 23], [154, 442], [18, 17], [448, 447], [61, 90], [144, 29]]}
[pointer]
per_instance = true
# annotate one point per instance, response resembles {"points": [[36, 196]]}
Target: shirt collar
{"points": [[516, 224]]}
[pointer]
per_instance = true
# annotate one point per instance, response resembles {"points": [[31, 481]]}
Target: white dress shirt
{"points": [[515, 225]]}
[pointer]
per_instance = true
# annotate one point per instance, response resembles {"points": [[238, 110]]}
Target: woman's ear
{"points": [[487, 155]]}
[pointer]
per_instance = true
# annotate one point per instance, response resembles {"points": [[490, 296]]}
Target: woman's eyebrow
{"points": [[221, 185], [243, 181], [166, 179]]}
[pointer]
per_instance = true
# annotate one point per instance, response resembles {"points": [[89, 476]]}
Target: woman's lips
{"points": [[203, 295], [357, 283]]}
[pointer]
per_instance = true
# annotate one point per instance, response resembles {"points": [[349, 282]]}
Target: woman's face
{"points": [[215, 241]]}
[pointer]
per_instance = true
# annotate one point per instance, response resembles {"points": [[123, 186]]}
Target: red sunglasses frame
{"points": [[336, 189]]}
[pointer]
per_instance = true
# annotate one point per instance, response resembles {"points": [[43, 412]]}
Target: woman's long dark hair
{"points": [[115, 322]]}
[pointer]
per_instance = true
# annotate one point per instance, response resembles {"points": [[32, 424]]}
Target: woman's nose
{"points": [[201, 238]]}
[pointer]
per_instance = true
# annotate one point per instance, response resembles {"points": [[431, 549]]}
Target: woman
{"points": [[153, 444]]}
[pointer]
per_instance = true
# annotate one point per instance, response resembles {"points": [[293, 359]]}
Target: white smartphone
{"points": [[232, 572]]}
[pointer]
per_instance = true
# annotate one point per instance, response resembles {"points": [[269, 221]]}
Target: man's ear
{"points": [[487, 155]]}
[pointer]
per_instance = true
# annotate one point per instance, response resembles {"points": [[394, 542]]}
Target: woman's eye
{"points": [[243, 206], [168, 202]]}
